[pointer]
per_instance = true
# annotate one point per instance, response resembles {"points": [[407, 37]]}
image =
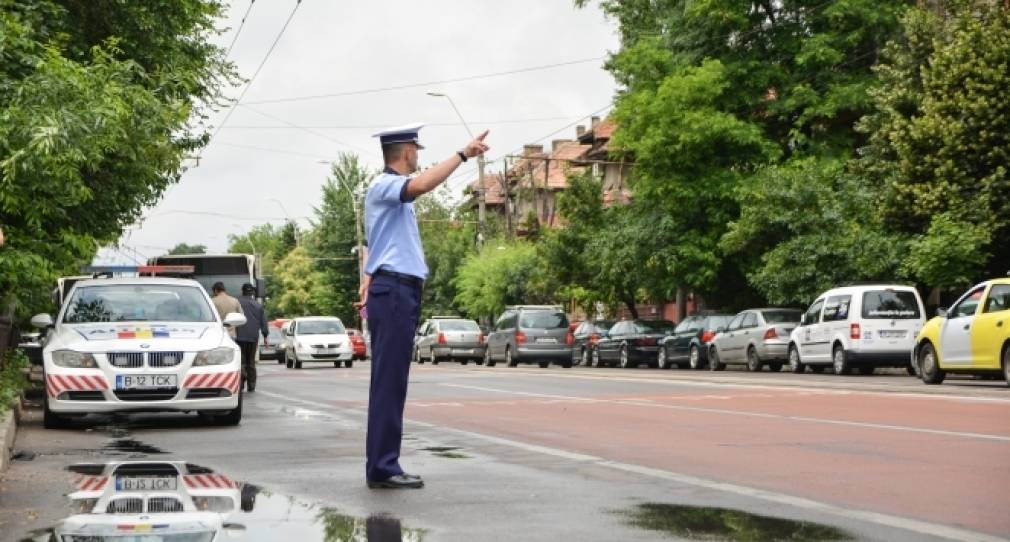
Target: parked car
{"points": [[530, 334], [755, 338], [127, 344], [864, 327], [687, 346], [631, 342], [358, 343], [972, 337], [318, 338], [271, 348], [449, 338], [584, 339]]}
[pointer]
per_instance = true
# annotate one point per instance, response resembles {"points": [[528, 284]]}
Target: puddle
{"points": [[175, 501], [440, 449], [132, 446], [452, 455], [701, 523], [448, 452]]}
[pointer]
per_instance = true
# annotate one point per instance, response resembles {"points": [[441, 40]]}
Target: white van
{"points": [[862, 327]]}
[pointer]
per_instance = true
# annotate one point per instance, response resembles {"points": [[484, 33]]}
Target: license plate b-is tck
{"points": [[145, 382]]}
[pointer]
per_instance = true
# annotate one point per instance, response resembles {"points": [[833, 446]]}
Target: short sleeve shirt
{"points": [[394, 242]]}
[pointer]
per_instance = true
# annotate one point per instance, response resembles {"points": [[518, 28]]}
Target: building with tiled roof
{"points": [[535, 177]]}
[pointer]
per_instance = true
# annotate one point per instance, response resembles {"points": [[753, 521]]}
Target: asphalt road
{"points": [[583, 453]]}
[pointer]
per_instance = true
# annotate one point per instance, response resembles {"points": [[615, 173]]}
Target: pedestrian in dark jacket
{"points": [[247, 336]]}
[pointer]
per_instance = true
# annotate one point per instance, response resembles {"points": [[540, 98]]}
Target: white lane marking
{"points": [[632, 402], [830, 389], [908, 524]]}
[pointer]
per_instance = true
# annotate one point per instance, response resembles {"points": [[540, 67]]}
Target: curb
{"points": [[8, 430]]}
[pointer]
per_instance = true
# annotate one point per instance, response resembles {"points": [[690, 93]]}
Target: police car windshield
{"points": [[320, 327], [138, 303]]}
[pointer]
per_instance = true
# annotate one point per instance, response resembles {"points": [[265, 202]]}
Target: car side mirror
{"points": [[940, 311], [261, 288], [803, 320], [234, 319], [42, 321]]}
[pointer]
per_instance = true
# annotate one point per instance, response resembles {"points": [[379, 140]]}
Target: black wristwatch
{"points": [[461, 155]]}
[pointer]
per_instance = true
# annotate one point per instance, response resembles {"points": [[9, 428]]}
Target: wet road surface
{"points": [[537, 454]]}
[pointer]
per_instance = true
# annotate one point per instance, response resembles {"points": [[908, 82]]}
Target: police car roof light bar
{"points": [[151, 269]]}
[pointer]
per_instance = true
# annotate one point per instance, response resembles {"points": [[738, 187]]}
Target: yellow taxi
{"points": [[971, 337]]}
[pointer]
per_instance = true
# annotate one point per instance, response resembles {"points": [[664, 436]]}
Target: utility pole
{"points": [[481, 203], [508, 200]]}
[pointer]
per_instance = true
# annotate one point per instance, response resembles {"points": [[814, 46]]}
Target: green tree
{"points": [[183, 248], [501, 274], [565, 251], [333, 238], [99, 105], [300, 287], [712, 92], [448, 236], [826, 227], [939, 141]]}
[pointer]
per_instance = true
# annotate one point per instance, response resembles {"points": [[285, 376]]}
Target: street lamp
{"points": [[482, 191], [248, 238], [286, 214]]}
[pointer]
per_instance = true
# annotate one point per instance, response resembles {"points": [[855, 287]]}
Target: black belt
{"points": [[401, 277]]}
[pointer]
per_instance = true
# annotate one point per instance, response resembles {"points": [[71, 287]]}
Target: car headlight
{"points": [[217, 356], [76, 360]]}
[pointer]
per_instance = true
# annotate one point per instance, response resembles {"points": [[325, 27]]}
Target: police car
{"points": [[140, 344], [971, 337], [153, 500]]}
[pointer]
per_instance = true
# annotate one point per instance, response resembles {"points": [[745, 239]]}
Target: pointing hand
{"points": [[476, 147]]}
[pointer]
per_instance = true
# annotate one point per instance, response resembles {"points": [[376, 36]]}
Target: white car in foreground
{"points": [[140, 344], [317, 338]]}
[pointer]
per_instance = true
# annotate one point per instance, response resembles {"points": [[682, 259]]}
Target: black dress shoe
{"points": [[400, 481]]}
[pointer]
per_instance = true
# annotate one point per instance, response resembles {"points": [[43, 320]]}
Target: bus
{"points": [[233, 270]]}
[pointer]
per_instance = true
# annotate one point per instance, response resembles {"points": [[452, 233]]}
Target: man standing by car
{"points": [[391, 291], [225, 304], [248, 335]]}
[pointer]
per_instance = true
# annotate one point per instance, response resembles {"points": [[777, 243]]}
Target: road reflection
{"points": [[176, 501]]}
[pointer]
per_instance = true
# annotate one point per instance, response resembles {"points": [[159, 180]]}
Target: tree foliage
{"points": [[100, 102], [183, 248], [333, 239], [939, 141], [501, 274]]}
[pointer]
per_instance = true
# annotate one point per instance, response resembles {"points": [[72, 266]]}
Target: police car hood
{"points": [[105, 337], [188, 526]]}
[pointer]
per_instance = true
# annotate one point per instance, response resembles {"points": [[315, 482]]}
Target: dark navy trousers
{"points": [[393, 310]]}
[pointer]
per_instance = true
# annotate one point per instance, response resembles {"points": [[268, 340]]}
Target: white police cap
{"points": [[401, 134]]}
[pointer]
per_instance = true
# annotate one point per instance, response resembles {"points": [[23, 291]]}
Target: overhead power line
{"points": [[427, 83], [275, 151], [311, 131], [263, 62], [387, 124], [241, 25]]}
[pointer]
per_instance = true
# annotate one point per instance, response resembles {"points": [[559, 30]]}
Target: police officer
{"points": [[391, 291], [247, 336]]}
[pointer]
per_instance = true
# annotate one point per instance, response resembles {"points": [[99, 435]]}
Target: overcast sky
{"points": [[341, 47]]}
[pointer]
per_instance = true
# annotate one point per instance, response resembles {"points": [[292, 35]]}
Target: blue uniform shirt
{"points": [[394, 242]]}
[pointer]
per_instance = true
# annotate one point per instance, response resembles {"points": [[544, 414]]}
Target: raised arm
{"points": [[430, 178]]}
